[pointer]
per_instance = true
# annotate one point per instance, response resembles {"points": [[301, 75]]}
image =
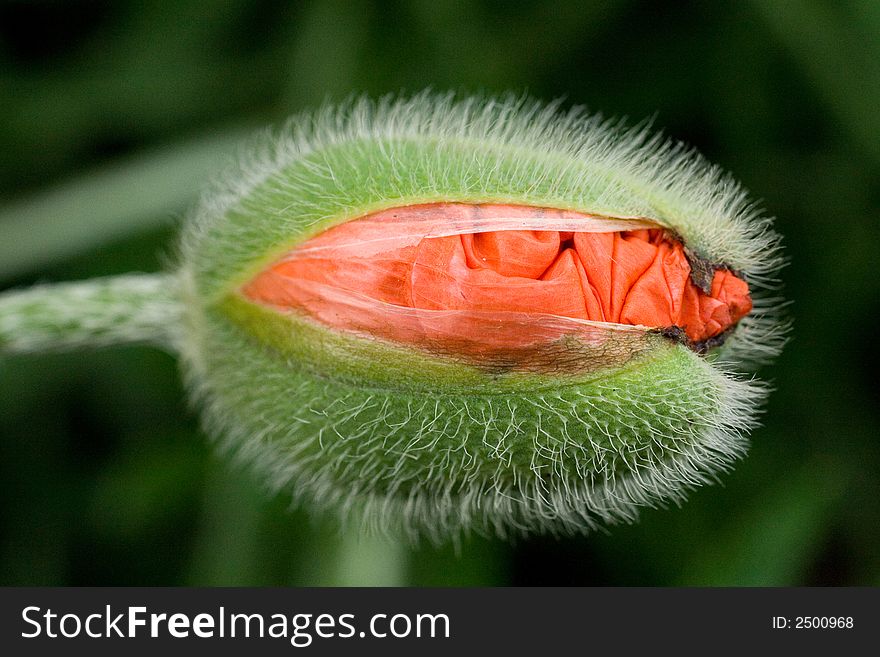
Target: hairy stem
{"points": [[138, 308]]}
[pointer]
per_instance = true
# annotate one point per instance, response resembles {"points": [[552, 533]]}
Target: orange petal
{"points": [[388, 283]]}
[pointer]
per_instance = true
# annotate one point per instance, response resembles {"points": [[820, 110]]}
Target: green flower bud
{"points": [[407, 435]]}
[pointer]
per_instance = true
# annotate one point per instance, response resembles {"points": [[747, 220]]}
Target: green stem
{"points": [[138, 308], [367, 560]]}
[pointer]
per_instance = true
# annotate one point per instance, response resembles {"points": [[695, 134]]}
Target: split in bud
{"points": [[509, 280]]}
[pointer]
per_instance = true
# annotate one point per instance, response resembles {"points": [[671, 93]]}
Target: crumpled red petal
{"points": [[635, 277]]}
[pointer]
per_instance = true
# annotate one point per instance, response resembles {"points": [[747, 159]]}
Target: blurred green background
{"points": [[114, 114]]}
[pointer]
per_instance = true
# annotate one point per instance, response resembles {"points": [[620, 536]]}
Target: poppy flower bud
{"points": [[447, 315]]}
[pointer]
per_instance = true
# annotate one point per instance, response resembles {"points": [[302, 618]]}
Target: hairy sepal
{"points": [[350, 161], [478, 452]]}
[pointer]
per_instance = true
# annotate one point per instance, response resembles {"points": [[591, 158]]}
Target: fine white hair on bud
{"points": [[404, 429]]}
